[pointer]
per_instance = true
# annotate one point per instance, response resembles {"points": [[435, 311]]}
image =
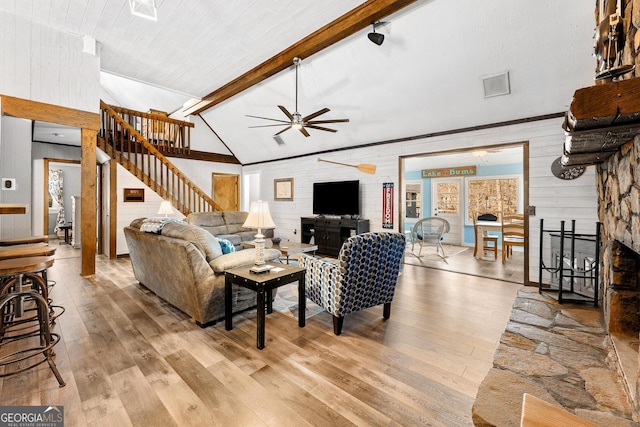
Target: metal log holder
{"points": [[570, 274]]}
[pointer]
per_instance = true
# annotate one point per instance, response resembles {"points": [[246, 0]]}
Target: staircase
{"points": [[137, 141]]}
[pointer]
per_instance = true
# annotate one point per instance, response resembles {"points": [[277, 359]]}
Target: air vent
{"points": [[496, 85], [278, 139]]}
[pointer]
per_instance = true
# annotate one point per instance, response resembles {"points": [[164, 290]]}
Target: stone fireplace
{"points": [[618, 184]]}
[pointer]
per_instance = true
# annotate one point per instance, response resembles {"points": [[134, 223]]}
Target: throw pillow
{"points": [[227, 246]]}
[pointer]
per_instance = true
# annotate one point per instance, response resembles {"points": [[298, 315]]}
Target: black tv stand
{"points": [[330, 233]]}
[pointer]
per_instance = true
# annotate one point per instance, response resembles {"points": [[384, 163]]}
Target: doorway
{"points": [[432, 173], [447, 197], [226, 191], [70, 172]]}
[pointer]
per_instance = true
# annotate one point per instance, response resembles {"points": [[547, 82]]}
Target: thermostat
{"points": [[8, 183]]}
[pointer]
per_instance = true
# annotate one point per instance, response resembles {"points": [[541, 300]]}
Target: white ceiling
{"points": [[426, 76]]}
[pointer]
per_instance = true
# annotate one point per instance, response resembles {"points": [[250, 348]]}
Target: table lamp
{"points": [[165, 208], [259, 217]]}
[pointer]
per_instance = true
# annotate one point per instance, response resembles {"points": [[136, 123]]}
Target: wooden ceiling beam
{"points": [[339, 29]]}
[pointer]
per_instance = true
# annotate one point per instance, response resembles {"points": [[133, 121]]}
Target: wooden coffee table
{"points": [[263, 284], [288, 248]]}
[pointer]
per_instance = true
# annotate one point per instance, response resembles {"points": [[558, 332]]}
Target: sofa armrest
{"points": [[240, 258]]}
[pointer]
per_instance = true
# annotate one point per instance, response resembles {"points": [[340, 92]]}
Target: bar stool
{"points": [[26, 343], [17, 272]]}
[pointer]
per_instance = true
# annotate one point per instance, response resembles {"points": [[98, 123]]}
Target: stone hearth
{"points": [[560, 353]]}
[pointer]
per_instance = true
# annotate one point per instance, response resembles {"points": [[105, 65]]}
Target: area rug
{"points": [[429, 253], [286, 302]]}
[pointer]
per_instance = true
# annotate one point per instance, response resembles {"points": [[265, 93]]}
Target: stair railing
{"points": [[122, 142]]}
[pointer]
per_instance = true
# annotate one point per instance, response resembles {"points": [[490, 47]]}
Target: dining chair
{"points": [[489, 241], [512, 235], [517, 218]]}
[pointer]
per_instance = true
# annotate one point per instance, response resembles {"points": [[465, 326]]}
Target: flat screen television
{"points": [[336, 198]]}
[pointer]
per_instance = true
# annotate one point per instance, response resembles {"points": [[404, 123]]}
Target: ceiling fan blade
{"points": [[286, 112], [316, 114], [321, 128], [264, 126], [304, 132], [267, 118], [315, 122], [283, 130]]}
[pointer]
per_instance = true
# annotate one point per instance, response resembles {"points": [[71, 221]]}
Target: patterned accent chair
{"points": [[364, 276]]}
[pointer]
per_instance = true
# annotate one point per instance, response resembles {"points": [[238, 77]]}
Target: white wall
{"points": [[199, 172], [129, 211], [46, 65], [15, 162], [554, 199]]}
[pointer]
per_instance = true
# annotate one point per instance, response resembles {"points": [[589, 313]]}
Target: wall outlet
{"points": [[531, 210], [9, 184]]}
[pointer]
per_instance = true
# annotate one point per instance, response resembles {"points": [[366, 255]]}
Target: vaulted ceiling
{"points": [[426, 77]]}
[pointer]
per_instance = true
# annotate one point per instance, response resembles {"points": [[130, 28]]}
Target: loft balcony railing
{"points": [[166, 134]]}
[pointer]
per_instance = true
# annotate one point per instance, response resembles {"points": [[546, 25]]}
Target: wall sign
{"points": [[387, 205], [134, 194], [446, 172]]}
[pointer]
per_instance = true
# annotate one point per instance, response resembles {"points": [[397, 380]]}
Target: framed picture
{"points": [[283, 189]]}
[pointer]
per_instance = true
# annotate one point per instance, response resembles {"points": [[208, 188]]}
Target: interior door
{"points": [[226, 191], [446, 203]]}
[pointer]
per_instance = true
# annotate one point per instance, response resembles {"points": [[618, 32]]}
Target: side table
{"points": [[263, 284]]}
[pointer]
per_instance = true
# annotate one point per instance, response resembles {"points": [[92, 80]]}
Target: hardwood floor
{"points": [[464, 262], [128, 358]]}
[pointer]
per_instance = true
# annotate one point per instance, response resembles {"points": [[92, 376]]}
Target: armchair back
{"points": [[365, 275]]}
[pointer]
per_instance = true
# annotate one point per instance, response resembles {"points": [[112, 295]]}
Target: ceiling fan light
{"points": [[296, 126]]}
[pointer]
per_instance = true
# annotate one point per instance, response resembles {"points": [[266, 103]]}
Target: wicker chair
{"points": [[430, 232], [365, 275]]}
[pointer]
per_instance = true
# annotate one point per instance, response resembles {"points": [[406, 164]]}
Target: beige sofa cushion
{"points": [[237, 259], [234, 221], [213, 222], [207, 244]]}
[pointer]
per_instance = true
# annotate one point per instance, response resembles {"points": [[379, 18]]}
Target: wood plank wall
{"points": [[46, 65], [15, 162], [554, 199]]}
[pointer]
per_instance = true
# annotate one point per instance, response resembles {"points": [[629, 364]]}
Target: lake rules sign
{"points": [[387, 205]]}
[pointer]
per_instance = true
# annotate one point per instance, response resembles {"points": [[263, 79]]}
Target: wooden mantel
{"points": [[600, 119]]}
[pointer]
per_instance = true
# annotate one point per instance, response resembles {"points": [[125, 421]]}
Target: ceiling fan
{"points": [[296, 121]]}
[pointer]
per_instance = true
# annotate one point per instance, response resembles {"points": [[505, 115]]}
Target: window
{"points": [[413, 200], [492, 195]]}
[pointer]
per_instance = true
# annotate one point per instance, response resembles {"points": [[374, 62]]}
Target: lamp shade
{"points": [[165, 208], [259, 216]]}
